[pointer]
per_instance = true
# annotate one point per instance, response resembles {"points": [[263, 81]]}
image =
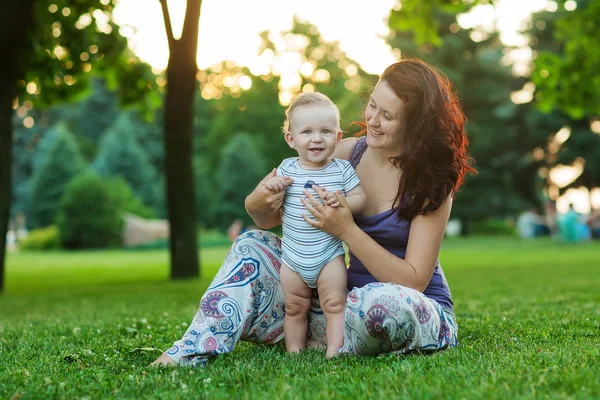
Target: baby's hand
{"points": [[332, 200], [276, 184]]}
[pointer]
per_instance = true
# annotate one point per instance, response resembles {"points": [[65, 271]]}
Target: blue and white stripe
{"points": [[306, 249]]}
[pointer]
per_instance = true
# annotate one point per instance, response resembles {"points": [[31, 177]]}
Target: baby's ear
{"points": [[340, 136], [289, 139]]}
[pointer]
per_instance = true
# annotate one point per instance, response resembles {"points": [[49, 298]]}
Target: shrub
{"points": [[493, 227], [41, 239], [90, 215]]}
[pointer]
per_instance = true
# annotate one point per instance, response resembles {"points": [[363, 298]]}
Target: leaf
{"points": [[145, 349]]}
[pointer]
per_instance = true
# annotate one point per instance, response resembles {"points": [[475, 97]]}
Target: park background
{"points": [[101, 124]]}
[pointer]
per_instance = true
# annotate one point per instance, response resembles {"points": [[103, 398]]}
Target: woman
{"points": [[411, 161]]}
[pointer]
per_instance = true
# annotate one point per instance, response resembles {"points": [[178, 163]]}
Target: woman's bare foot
{"points": [[164, 361], [313, 344]]}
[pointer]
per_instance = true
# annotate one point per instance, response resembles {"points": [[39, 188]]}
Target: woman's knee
{"points": [[252, 235], [378, 302]]}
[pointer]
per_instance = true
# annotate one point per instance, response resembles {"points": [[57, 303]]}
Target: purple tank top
{"points": [[391, 233]]}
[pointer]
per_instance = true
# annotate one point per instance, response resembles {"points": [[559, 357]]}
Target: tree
{"points": [[566, 76], [120, 155], [582, 142], [62, 163], [48, 52], [181, 86], [15, 20]]}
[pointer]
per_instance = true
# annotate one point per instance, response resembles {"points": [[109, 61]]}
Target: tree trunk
{"points": [[179, 116], [15, 20]]}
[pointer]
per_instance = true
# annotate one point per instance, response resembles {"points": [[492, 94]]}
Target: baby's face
{"points": [[314, 133]]}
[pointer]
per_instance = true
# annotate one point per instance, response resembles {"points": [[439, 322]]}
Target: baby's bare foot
{"points": [[313, 344], [331, 353]]}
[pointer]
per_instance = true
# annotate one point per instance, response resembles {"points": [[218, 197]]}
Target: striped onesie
{"points": [[306, 249]]}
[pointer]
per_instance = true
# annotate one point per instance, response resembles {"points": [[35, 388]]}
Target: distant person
{"points": [[530, 224], [235, 229], [571, 226], [594, 224]]}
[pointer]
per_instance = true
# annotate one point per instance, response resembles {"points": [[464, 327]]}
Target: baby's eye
{"points": [[306, 132], [326, 131]]}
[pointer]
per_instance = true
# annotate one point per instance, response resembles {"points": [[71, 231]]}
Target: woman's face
{"points": [[384, 118]]}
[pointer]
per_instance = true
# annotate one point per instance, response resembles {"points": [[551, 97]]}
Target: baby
{"points": [[311, 257]]}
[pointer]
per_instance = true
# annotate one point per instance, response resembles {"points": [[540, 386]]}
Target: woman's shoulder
{"points": [[344, 149]]}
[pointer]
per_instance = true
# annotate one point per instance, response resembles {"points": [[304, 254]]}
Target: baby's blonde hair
{"points": [[307, 99]]}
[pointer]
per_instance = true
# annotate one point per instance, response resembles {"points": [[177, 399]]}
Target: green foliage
{"points": [[67, 46], [93, 116], [62, 163], [566, 76], [120, 155], [41, 239], [241, 168], [419, 18], [207, 189], [90, 214], [582, 143]]}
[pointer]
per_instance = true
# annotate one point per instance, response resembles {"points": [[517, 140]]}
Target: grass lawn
{"points": [[529, 317]]}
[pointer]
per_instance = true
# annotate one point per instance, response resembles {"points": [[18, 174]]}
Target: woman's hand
{"points": [[335, 221], [264, 204]]}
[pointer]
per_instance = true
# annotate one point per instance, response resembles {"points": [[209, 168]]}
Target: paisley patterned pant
{"points": [[245, 302]]}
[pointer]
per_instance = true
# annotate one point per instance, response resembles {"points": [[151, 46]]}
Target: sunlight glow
{"points": [[563, 175], [524, 95], [595, 198], [580, 198], [226, 32], [570, 5]]}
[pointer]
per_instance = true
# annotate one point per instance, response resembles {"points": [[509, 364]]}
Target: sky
{"points": [[229, 28]]}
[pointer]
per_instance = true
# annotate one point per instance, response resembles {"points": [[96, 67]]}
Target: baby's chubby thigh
{"points": [[297, 294]]}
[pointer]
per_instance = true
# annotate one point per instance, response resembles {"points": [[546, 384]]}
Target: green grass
{"points": [[529, 316]]}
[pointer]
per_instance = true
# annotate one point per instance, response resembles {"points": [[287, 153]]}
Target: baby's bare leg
{"points": [[331, 285], [297, 296]]}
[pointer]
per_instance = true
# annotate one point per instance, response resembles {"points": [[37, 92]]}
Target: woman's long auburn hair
{"points": [[435, 159]]}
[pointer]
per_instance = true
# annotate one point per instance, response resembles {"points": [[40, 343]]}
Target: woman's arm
{"points": [[424, 243], [264, 206]]}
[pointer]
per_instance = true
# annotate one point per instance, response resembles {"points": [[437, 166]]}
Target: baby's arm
{"points": [[356, 198]]}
